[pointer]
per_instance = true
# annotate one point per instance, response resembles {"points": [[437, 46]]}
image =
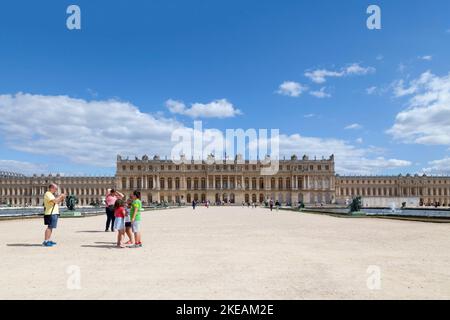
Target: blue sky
{"points": [[237, 54]]}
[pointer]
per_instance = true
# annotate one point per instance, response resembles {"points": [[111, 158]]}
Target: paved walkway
{"points": [[228, 253]]}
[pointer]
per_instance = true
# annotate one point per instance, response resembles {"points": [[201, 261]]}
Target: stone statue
{"points": [[71, 202], [356, 205]]}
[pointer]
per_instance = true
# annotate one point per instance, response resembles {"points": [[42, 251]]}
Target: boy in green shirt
{"points": [[135, 217]]}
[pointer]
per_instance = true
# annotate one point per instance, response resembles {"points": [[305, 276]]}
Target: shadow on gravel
{"points": [[23, 245], [91, 231], [99, 246]]}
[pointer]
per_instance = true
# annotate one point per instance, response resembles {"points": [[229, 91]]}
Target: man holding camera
{"points": [[51, 213]]}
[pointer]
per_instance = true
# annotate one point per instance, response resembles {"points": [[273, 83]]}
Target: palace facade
{"points": [[311, 181], [428, 190], [19, 190], [228, 181]]}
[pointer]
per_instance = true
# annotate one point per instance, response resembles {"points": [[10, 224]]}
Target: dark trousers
{"points": [[110, 217]]}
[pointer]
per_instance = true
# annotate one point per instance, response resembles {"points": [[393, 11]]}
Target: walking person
{"points": [[135, 214], [271, 204], [193, 204], [51, 213], [110, 200]]}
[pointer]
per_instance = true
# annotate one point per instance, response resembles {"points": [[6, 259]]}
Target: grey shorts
{"points": [[136, 226]]}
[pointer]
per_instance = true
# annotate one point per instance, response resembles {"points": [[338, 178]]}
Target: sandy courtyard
{"points": [[228, 253]]}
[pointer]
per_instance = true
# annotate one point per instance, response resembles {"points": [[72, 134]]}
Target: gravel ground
{"points": [[228, 253]]}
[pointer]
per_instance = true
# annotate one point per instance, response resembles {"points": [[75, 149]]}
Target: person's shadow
{"points": [[91, 231], [25, 245], [100, 245]]}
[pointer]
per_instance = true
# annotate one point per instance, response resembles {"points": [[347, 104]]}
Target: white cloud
{"points": [[356, 69], [321, 94], [85, 132], [426, 58], [401, 67], [309, 115], [349, 159], [380, 57], [216, 109], [291, 89], [94, 132], [320, 75], [22, 167], [427, 118], [371, 90], [353, 126], [441, 167], [359, 140]]}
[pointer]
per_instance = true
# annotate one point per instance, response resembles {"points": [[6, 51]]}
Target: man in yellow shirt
{"points": [[51, 213]]}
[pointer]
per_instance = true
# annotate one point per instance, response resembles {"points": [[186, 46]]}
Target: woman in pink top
{"points": [[110, 200]]}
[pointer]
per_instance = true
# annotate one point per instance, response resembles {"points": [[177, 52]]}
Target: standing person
{"points": [[271, 204], [135, 214], [128, 228], [110, 200], [193, 204], [51, 213], [119, 222]]}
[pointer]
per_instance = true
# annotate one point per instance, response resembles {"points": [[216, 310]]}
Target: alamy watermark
{"points": [[74, 279], [73, 22], [235, 147], [374, 20], [374, 280]]}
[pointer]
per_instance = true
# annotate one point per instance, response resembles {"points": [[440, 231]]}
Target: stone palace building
{"points": [[19, 190], [311, 181], [306, 180]]}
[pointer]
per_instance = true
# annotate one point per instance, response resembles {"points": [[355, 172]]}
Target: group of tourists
{"points": [[123, 216]]}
